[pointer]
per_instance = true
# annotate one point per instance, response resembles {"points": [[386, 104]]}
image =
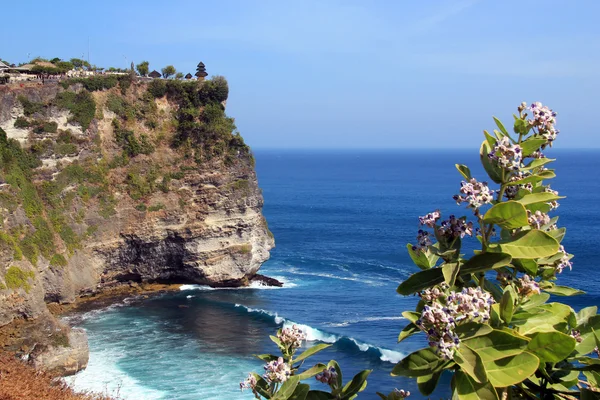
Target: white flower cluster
{"points": [[277, 371], [474, 193], [455, 227], [538, 219], [430, 219], [328, 376], [249, 383], [564, 261], [506, 154], [291, 336], [438, 319], [553, 204], [544, 119], [512, 190], [402, 393], [528, 286]]}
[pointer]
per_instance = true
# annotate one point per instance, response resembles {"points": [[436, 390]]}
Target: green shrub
{"points": [[30, 107], [157, 88], [81, 105], [156, 207], [58, 260], [93, 83], [125, 82], [65, 137], [214, 90], [21, 122], [63, 149], [50, 126], [16, 278], [120, 106], [141, 207]]}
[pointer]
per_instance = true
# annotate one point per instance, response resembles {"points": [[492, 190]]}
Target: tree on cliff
{"points": [[179, 76], [168, 71], [143, 68], [79, 63]]}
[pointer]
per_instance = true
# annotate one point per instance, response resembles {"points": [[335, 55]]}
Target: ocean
{"points": [[341, 221]]}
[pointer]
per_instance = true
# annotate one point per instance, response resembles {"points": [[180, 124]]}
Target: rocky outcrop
{"points": [[96, 212]]}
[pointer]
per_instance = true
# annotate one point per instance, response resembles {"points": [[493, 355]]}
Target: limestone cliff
{"points": [[109, 180]]}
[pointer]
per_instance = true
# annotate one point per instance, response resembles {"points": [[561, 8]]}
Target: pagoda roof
{"points": [[154, 74], [188, 76]]}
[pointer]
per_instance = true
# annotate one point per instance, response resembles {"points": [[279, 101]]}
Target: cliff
{"points": [[109, 180]]}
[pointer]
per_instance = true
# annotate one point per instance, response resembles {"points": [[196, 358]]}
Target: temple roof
{"points": [[154, 74]]}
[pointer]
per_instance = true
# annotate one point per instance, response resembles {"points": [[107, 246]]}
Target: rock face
{"points": [[94, 211]]}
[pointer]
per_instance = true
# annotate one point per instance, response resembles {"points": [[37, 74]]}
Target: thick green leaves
{"points": [[464, 171], [311, 351], [422, 259], [563, 290], [531, 145], [356, 385], [494, 172], [419, 363], [319, 395], [508, 215], [521, 126], [501, 127], [312, 371], [540, 176], [551, 346], [507, 304], [408, 331], [531, 244], [543, 197], [301, 392], [585, 314], [472, 329], [545, 318], [434, 276], [450, 272], [496, 345], [428, 383], [588, 339], [485, 261], [471, 363], [467, 389], [538, 162], [288, 387], [535, 300], [512, 370]]}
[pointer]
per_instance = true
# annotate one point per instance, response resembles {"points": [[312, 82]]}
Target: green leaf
{"points": [[262, 387], [588, 339], [546, 318], [558, 234], [494, 172], [587, 394], [593, 378], [496, 345], [408, 331], [311, 351], [507, 304], [450, 272], [535, 300], [551, 346], [468, 389], [276, 340], [420, 258], [357, 384], [464, 171], [428, 383], [540, 176], [419, 363], [508, 215], [312, 371], [538, 162], [526, 265], [563, 291], [543, 197], [585, 314], [412, 316], [471, 363], [287, 389], [530, 145], [530, 244], [484, 261], [521, 126], [338, 371], [472, 329], [266, 357], [301, 392], [512, 370], [319, 395], [501, 127], [421, 280]]}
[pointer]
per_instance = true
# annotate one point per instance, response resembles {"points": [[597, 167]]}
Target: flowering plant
{"points": [[281, 380], [487, 318]]}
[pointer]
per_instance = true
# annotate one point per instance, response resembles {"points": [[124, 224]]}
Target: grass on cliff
{"points": [[19, 381]]}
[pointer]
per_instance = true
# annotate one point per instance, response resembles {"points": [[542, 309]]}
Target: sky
{"points": [[346, 73]]}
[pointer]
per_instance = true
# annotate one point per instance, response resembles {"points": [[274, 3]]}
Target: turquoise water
{"points": [[341, 222]]}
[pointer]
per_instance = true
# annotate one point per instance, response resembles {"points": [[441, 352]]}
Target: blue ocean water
{"points": [[341, 222]]}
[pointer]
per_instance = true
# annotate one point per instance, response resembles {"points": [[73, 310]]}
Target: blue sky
{"points": [[346, 74]]}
